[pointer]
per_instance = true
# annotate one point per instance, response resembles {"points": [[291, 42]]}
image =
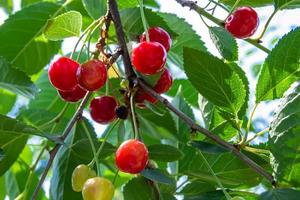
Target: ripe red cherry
{"points": [[92, 75], [73, 95], [157, 34], [132, 156], [164, 83], [149, 57], [103, 109], [242, 23], [142, 96], [62, 74]]}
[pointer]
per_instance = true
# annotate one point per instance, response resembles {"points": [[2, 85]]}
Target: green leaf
{"points": [[280, 194], [208, 147], [164, 153], [7, 101], [284, 139], [48, 98], [157, 176], [133, 25], [195, 188], [187, 89], [225, 43], [21, 29], [186, 37], [1, 154], [280, 69], [64, 26], [76, 151], [138, 188], [95, 8], [225, 165], [16, 81], [42, 50], [150, 79], [134, 3], [215, 80], [286, 4], [2, 188], [183, 130]]}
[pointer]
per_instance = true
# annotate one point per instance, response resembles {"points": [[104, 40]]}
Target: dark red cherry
{"points": [[142, 96], [92, 75], [73, 95], [62, 74], [149, 57], [132, 156], [164, 83], [103, 109], [242, 23], [157, 34]]}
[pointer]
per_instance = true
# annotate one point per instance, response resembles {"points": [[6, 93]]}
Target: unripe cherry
{"points": [[62, 74], [148, 57], [157, 34], [73, 95], [132, 156], [79, 176], [98, 188], [103, 109], [92, 75], [242, 23]]}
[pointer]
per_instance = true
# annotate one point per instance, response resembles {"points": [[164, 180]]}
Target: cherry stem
{"points": [[103, 142], [233, 7], [267, 25], [92, 146], [145, 24], [249, 125], [228, 197], [132, 108], [57, 117], [257, 135], [116, 176]]}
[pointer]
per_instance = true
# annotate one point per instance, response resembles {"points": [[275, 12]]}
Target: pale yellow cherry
{"points": [[80, 174], [98, 189]]}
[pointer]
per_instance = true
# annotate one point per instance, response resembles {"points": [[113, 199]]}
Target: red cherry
{"points": [[164, 83], [132, 156], [73, 95], [62, 74], [149, 57], [92, 75], [157, 34], [242, 23], [142, 96], [103, 109]]}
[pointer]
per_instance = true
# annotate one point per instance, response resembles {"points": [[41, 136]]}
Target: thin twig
{"points": [[130, 75], [193, 6], [207, 133], [54, 151]]}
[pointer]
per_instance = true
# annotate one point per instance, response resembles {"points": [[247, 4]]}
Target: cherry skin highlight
{"points": [[149, 57], [157, 34], [62, 74], [92, 75], [73, 95], [242, 23], [132, 156], [103, 109], [98, 188]]}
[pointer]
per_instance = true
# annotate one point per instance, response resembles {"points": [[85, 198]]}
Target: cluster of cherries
{"points": [[73, 81], [149, 58], [242, 23]]}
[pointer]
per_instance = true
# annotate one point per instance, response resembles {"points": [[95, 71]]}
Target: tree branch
{"points": [[132, 77], [193, 6], [113, 9], [54, 151]]}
